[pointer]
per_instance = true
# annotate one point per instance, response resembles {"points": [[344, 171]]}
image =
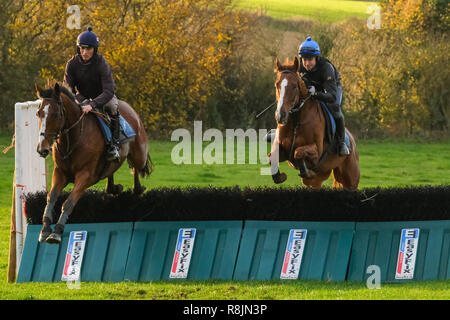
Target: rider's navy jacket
{"points": [[324, 77], [90, 79]]}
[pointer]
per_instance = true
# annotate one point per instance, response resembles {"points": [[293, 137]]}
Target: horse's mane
{"points": [[67, 92], [48, 93]]}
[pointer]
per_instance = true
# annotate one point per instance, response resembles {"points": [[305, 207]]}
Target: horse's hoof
{"points": [[280, 178], [139, 190], [115, 189], [54, 238], [118, 188], [44, 235]]}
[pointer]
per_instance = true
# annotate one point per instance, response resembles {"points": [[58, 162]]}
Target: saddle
{"points": [[330, 129], [127, 133]]}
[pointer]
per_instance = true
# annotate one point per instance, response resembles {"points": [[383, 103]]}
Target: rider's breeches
{"points": [[112, 106], [335, 107]]}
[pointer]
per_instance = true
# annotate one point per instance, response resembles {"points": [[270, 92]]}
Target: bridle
{"points": [[61, 115], [64, 132], [295, 110], [297, 105]]}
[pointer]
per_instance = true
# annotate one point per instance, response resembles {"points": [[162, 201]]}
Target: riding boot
{"points": [[340, 135], [113, 147]]}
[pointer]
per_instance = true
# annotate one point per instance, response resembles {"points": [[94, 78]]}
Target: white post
{"points": [[30, 167]]}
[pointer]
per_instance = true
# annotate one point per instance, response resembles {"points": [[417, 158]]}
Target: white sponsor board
{"points": [[183, 253], [74, 256], [294, 254], [407, 253]]}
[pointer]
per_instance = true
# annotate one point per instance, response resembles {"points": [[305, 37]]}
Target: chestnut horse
{"points": [[300, 136], [78, 153]]}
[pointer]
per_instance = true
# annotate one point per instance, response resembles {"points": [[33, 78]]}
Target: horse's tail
{"points": [[148, 167]]}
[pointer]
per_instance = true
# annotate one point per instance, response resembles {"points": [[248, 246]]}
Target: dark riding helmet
{"points": [[87, 38], [309, 49]]}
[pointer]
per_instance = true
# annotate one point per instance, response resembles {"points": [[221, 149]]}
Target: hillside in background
{"points": [[317, 10]]}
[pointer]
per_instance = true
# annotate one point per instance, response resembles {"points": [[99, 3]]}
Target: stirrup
{"points": [[113, 154], [343, 149]]}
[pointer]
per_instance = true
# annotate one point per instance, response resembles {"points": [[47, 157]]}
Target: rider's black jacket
{"points": [[90, 79], [324, 77]]}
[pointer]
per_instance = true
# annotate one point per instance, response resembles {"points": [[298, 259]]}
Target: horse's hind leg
{"points": [[138, 188], [348, 173], [59, 181], [316, 182], [140, 161], [113, 188]]}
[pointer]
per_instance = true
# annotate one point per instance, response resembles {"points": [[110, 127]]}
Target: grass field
{"points": [[321, 10], [383, 163]]}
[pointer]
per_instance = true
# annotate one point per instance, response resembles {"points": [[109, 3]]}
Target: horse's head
{"points": [[51, 118], [290, 89]]}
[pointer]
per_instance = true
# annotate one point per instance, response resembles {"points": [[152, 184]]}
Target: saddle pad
{"points": [[331, 124], [126, 131]]}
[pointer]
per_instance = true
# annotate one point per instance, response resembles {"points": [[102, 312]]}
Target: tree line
{"points": [[176, 61]]}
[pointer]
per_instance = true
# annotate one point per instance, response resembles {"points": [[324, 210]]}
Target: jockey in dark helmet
{"points": [[324, 83], [90, 78]]}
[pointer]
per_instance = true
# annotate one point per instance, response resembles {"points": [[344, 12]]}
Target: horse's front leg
{"points": [[112, 188], [82, 182], [275, 157], [59, 181], [303, 153]]}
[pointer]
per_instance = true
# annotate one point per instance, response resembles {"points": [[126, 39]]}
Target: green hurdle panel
{"points": [[213, 254], [377, 243], [104, 258], [325, 257]]}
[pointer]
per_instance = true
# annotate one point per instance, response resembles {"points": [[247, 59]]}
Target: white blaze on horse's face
{"points": [[283, 86], [43, 125]]}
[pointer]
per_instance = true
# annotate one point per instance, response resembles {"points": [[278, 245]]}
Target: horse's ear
{"points": [[56, 90], [38, 90], [278, 68], [296, 63]]}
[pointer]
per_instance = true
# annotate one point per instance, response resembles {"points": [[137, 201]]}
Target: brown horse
{"points": [[78, 153], [300, 136]]}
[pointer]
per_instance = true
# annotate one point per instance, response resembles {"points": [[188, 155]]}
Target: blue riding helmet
{"points": [[309, 49], [88, 38]]}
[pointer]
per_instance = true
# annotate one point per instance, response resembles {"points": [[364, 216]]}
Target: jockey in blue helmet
{"points": [[324, 83], [90, 78]]}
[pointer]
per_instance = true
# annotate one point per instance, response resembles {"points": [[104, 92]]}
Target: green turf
{"points": [[228, 290], [383, 163], [321, 10]]}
